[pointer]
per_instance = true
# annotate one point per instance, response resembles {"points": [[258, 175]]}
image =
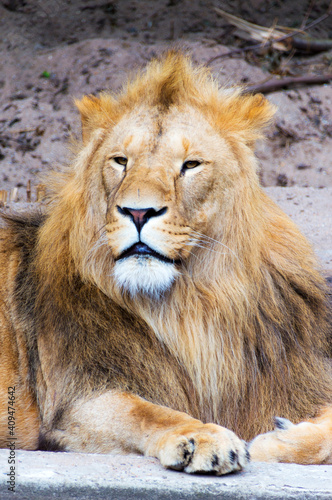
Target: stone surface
{"points": [[45, 475], [311, 210]]}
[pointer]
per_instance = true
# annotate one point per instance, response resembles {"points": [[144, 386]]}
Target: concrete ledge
{"points": [[45, 475]]}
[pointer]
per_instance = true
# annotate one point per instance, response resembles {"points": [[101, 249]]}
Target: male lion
{"points": [[162, 294]]}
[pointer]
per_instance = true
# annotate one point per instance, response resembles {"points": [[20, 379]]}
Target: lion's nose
{"points": [[142, 215]]}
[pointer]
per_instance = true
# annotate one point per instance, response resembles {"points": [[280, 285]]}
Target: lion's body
{"points": [[161, 273]]}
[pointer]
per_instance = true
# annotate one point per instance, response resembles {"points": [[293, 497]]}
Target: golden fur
{"points": [[224, 319]]}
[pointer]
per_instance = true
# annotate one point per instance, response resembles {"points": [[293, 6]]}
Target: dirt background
{"points": [[52, 51]]}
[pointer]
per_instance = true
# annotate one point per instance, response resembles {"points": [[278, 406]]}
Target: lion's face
{"points": [[164, 178], [158, 177]]}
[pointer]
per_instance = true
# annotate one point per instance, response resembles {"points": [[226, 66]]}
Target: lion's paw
{"points": [[304, 443], [210, 448]]}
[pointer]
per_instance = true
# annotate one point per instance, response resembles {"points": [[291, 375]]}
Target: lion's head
{"points": [[166, 154]]}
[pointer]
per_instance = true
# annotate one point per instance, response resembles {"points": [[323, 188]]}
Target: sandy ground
{"points": [[53, 51]]}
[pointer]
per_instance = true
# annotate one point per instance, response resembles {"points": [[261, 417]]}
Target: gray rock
{"points": [[45, 475]]}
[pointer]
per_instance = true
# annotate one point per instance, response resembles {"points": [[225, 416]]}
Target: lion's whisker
{"points": [[208, 248], [99, 243], [98, 230], [206, 245], [205, 238]]}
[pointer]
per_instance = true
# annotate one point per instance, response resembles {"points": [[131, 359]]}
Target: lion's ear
{"points": [[245, 115], [90, 110], [257, 113]]}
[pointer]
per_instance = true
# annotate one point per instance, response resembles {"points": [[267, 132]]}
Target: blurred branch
{"points": [[256, 32], [280, 83], [276, 38]]}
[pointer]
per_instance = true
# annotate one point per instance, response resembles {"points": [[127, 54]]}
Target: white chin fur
{"points": [[144, 275]]}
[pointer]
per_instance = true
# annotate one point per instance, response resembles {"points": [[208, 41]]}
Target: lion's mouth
{"points": [[142, 250]]}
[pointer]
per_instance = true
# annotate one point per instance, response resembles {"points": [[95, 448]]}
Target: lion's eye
{"points": [[189, 164], [121, 160]]}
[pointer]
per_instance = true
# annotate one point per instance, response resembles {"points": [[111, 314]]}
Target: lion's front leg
{"points": [[121, 422], [305, 443]]}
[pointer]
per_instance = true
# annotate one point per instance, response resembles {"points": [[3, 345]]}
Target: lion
{"points": [[161, 303]]}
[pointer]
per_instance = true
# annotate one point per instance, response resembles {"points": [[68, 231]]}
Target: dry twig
{"points": [[256, 32], [40, 192], [280, 83], [3, 197], [29, 191], [13, 194], [276, 38]]}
